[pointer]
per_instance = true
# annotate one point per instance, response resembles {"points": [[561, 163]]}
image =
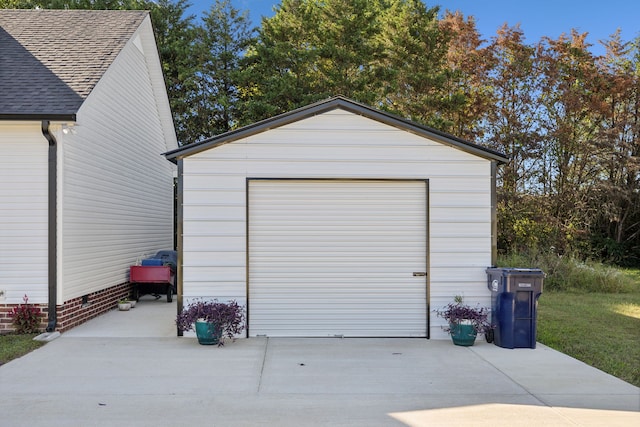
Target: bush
{"points": [[228, 317], [457, 313], [26, 317], [567, 273]]}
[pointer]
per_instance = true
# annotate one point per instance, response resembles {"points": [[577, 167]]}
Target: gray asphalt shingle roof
{"points": [[50, 60]]}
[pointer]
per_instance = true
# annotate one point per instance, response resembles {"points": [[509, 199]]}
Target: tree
{"points": [[220, 45], [386, 53], [571, 98], [512, 123], [276, 69], [414, 56], [311, 50], [615, 231], [467, 82]]}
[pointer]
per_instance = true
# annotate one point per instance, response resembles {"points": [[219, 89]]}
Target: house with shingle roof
{"points": [[84, 120]]}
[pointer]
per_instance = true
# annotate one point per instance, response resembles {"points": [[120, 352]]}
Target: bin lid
{"points": [[507, 271]]}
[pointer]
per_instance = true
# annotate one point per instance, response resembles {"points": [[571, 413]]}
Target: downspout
{"points": [[494, 214], [53, 227], [179, 227]]}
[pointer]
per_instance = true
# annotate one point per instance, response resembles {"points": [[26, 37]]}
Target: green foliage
{"points": [[221, 42], [601, 329], [414, 61], [309, 50], [633, 274], [625, 253], [566, 273], [384, 53], [524, 224]]}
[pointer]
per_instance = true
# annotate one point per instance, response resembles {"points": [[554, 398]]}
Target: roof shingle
{"points": [[50, 60]]}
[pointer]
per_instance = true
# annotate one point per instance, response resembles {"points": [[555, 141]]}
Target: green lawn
{"points": [[600, 329], [13, 346]]}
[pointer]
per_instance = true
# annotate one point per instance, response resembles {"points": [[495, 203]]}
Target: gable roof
{"points": [[50, 60], [343, 103]]}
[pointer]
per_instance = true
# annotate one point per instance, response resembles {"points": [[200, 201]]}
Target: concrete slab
{"points": [[352, 366], [138, 373], [559, 380], [151, 317]]}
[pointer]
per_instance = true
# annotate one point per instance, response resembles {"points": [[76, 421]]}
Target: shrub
{"points": [[228, 317], [459, 313], [568, 273], [26, 317]]}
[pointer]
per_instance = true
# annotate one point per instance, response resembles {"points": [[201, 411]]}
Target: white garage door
{"points": [[337, 258]]}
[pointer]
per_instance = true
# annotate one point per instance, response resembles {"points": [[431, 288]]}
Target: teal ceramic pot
{"points": [[461, 334], [207, 333]]}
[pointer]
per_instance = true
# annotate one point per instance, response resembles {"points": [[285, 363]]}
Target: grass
{"points": [[600, 329], [590, 311], [13, 346]]}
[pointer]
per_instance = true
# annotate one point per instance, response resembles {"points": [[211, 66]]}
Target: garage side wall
{"points": [[336, 144]]}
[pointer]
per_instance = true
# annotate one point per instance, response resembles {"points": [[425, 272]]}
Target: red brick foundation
{"points": [[73, 312]]}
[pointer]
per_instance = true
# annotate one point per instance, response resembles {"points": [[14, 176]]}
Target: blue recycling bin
{"points": [[514, 305]]}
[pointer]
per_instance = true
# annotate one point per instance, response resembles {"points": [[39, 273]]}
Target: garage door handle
{"points": [[419, 274]]}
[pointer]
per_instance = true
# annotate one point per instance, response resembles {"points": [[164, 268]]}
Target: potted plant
{"points": [[212, 320], [124, 305], [465, 322]]}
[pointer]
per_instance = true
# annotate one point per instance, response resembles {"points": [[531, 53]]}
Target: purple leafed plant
{"points": [[228, 317], [457, 312]]}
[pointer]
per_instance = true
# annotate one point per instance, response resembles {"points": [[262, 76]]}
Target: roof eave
{"points": [[327, 105], [39, 116]]}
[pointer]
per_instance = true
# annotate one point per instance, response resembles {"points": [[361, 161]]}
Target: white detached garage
{"points": [[336, 220]]}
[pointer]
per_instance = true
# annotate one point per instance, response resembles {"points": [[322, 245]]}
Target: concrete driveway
{"points": [[127, 368]]}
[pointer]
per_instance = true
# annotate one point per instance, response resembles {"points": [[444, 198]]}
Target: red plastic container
{"points": [[151, 279], [150, 274]]}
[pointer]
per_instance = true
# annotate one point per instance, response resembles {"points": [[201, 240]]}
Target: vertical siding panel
{"points": [[117, 191], [23, 212]]}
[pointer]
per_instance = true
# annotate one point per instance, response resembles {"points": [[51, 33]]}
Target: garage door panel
{"points": [[336, 258], [399, 258], [336, 268], [335, 290]]}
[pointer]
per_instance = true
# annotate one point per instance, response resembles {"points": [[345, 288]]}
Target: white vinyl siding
{"points": [[336, 257], [117, 192], [337, 144], [23, 212]]}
